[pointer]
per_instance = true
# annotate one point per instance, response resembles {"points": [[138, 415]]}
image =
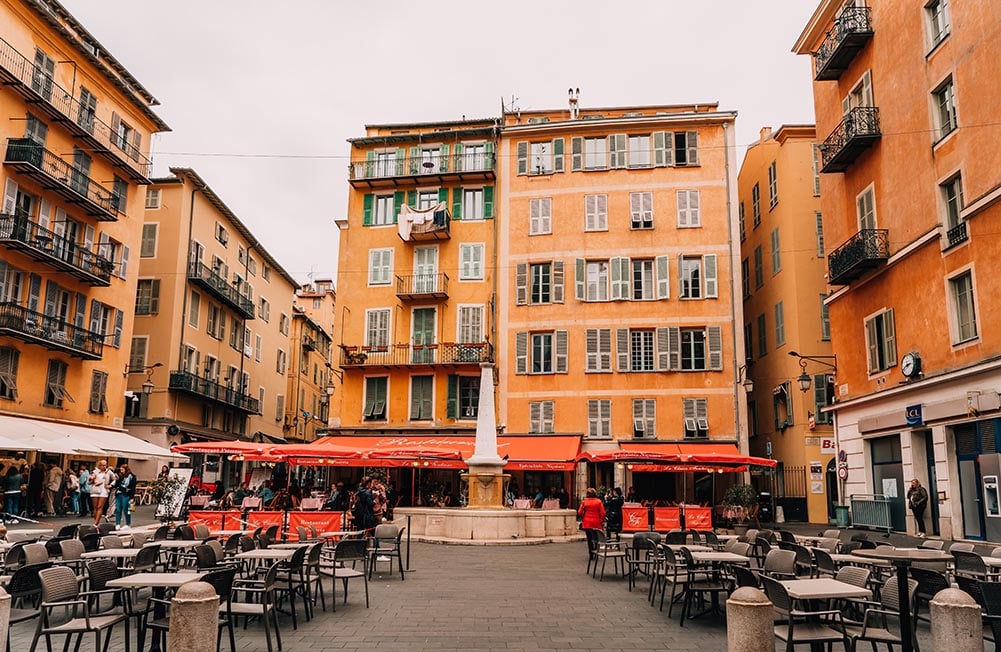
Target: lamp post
{"points": [[804, 381]]}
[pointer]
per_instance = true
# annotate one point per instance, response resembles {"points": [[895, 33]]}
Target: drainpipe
{"points": [[741, 441]]}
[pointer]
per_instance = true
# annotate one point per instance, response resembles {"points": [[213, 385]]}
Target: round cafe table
{"points": [[902, 558]]}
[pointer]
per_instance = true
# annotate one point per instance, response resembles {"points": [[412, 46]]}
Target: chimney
{"points": [[574, 94], [765, 134]]}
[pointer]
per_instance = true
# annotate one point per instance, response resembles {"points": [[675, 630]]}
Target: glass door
{"points": [[969, 489], [423, 335], [425, 270]]}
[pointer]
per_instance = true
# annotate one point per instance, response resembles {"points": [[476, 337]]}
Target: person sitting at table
{"points": [[265, 493], [241, 492], [538, 498], [294, 494], [632, 496]]}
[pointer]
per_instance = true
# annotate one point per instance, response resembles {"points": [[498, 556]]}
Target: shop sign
{"points": [[914, 415], [828, 446]]}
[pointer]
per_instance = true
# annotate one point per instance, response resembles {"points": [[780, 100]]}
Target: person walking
{"points": [[125, 489], [12, 490], [73, 490], [36, 488], [53, 485], [591, 511], [99, 489], [613, 512], [84, 491], [917, 500], [110, 504], [363, 510]]}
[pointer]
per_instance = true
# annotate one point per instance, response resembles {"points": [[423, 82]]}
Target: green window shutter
{"points": [[457, 201], [415, 159], [399, 198], [443, 158], [401, 161], [659, 150], [523, 157], [558, 164], [452, 406], [488, 202], [579, 280], [366, 214], [457, 158], [488, 151], [576, 153], [709, 276], [443, 195], [369, 164], [412, 199]]}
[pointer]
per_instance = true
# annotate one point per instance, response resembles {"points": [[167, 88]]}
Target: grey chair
{"points": [[386, 546], [202, 531], [780, 565], [336, 565], [880, 620], [930, 582], [24, 589], [222, 581], [61, 595], [35, 553], [605, 550], [825, 564], [961, 546], [831, 533], [110, 541], [802, 627], [933, 544], [698, 584], [259, 603], [969, 564], [854, 575]]}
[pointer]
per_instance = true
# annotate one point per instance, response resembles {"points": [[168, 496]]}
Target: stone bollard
{"points": [[956, 623], [4, 614], [194, 619], [749, 621]]}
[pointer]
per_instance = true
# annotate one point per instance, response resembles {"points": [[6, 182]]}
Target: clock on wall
{"points": [[910, 365]]}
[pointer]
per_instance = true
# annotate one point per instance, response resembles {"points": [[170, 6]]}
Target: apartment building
{"points": [[616, 314], [786, 333], [76, 129], [310, 385], [319, 301], [911, 179], [210, 355]]}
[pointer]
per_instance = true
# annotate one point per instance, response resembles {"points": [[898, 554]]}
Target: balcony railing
{"points": [[867, 249], [471, 166], [19, 232], [204, 276], [51, 332], [185, 381], [38, 87], [53, 173], [407, 355], [437, 227], [851, 31], [421, 287], [857, 132], [957, 234]]}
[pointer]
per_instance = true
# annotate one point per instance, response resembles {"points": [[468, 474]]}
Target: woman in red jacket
{"points": [[591, 511]]}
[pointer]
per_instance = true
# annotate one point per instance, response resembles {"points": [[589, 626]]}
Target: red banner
{"points": [[322, 521], [666, 519], [212, 519], [698, 518], [635, 519], [256, 519]]}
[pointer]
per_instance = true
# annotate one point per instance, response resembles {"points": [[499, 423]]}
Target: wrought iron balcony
{"points": [[46, 96], [51, 332], [867, 249], [422, 287], [221, 289], [53, 173], [851, 31], [308, 344], [957, 234], [410, 355], [189, 383], [856, 133], [19, 232], [390, 172], [437, 227]]}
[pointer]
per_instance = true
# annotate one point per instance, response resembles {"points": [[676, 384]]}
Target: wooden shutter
{"points": [[683, 219], [617, 150], [534, 216], [715, 336], [889, 338], [521, 352], [590, 212], [622, 349], [488, 202], [452, 404], [604, 349], [693, 147], [81, 310], [558, 155], [591, 345], [3, 281], [457, 157], [521, 284], [50, 298], [580, 280], [523, 157], [401, 160], [593, 419], [154, 296], [709, 276], [558, 280], [137, 140], [562, 352], [34, 291], [443, 158], [96, 390], [123, 267], [674, 348], [694, 213], [116, 126], [663, 278], [457, 199], [44, 210], [576, 153], [366, 213], [663, 338], [620, 275], [443, 195], [9, 197], [415, 160], [548, 418], [8, 370]]}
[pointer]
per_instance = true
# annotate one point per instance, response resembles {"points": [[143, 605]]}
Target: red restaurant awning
{"points": [[671, 456]]}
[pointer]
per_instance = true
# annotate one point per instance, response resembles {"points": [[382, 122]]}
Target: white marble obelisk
{"points": [[486, 476]]}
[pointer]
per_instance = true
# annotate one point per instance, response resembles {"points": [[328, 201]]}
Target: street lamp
{"points": [[804, 381], [744, 379]]}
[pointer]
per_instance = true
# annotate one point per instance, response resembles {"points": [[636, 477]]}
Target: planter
{"points": [[740, 529]]}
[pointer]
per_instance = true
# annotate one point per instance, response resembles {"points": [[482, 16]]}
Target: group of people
{"points": [[596, 513], [537, 496]]}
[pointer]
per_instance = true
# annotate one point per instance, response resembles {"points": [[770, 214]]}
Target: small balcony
{"points": [[422, 287], [416, 355], [189, 383], [44, 95], [20, 233], [851, 31], [411, 170], [53, 173], [308, 344], [51, 332], [855, 134], [437, 226], [867, 249], [956, 235], [203, 276]]}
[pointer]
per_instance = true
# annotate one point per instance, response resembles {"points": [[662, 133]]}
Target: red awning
{"points": [[223, 447], [680, 457]]}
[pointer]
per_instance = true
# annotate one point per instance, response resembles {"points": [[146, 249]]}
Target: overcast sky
{"points": [[262, 95]]}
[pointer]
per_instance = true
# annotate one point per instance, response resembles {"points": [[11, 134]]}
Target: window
{"points": [[641, 352], [472, 204], [120, 193], [696, 415], [137, 354], [639, 151], [35, 130], [236, 338], [644, 281], [599, 418], [377, 328], [421, 398], [375, 398], [964, 308], [80, 174], [541, 160], [881, 341], [8, 372], [190, 361], [264, 309], [123, 135], [748, 341], [148, 296], [773, 186], [693, 349], [952, 196], [645, 418], [152, 199], [697, 276], [98, 392], [540, 216], [597, 281], [819, 219], [742, 222], [221, 234], [470, 325], [471, 262], [540, 417], [539, 283], [759, 273], [148, 247], [283, 324], [825, 319], [816, 169], [762, 337], [596, 212], [215, 325], [541, 352], [384, 210], [641, 210], [776, 252], [865, 205], [860, 96], [756, 204], [945, 105], [279, 407], [380, 266], [281, 362], [745, 277], [686, 148], [463, 397], [595, 154], [55, 385], [688, 208], [823, 392], [780, 325], [598, 342], [258, 341], [782, 405], [938, 20], [41, 79]]}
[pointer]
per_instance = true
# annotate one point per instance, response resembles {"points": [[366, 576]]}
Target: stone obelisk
{"points": [[486, 477]]}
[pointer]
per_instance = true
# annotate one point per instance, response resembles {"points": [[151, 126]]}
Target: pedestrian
{"points": [[613, 512], [98, 482], [364, 506], [53, 484], [917, 500], [12, 490], [125, 489], [84, 490], [73, 490], [564, 498], [591, 511], [36, 488], [110, 504]]}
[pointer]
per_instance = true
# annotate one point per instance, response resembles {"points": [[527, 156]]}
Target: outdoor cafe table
{"points": [[20, 534], [723, 538], [111, 553], [176, 544], [289, 546], [901, 558], [339, 534], [159, 582], [823, 588], [229, 533], [675, 547], [842, 559], [269, 553], [714, 557]]}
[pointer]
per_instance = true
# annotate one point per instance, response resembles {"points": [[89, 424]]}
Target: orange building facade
{"points": [[783, 288], [911, 180]]}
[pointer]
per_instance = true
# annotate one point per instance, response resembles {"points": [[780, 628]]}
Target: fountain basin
{"points": [[489, 525]]}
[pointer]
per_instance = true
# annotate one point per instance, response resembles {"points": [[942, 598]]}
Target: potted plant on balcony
{"points": [[739, 503]]}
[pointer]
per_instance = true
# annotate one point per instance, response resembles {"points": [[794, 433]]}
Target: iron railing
{"points": [[404, 166], [69, 177], [402, 355], [20, 232], [871, 510], [858, 129], [51, 332], [957, 234], [849, 34], [422, 285], [222, 289], [82, 119], [864, 250], [185, 381]]}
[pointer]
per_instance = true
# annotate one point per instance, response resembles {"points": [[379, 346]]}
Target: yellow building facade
{"points": [[309, 381], [783, 256]]}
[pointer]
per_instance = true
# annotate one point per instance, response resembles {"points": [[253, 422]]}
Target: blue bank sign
{"points": [[914, 416]]}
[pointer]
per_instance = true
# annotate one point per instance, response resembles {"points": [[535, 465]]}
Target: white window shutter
{"points": [[605, 349], [562, 352], [523, 157], [890, 338], [548, 418], [616, 277], [521, 352], [682, 196], [580, 280], [591, 345], [123, 270], [663, 278], [622, 348], [602, 213], [534, 216], [659, 150], [521, 284], [693, 147], [593, 417], [590, 212], [709, 274], [715, 336], [9, 196], [546, 215], [558, 281], [694, 213], [674, 348], [873, 343], [576, 153], [663, 349]]}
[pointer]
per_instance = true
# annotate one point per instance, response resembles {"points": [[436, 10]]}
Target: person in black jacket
{"points": [[125, 489], [363, 511], [613, 512]]}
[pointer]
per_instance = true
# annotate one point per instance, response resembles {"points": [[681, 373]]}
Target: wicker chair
{"points": [[780, 565], [24, 588]]}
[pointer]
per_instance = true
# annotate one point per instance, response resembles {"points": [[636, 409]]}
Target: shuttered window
{"points": [[689, 212], [421, 398], [470, 262], [380, 266], [541, 417], [8, 372], [596, 212], [641, 210], [279, 407], [377, 328], [599, 350], [822, 395], [148, 296], [540, 220], [645, 418], [776, 252], [98, 392], [542, 353], [780, 325], [881, 341], [148, 247], [686, 148], [599, 418], [695, 412], [137, 354], [470, 324], [773, 186], [375, 398], [55, 385]]}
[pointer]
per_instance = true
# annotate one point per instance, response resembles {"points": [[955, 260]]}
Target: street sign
{"points": [[828, 446], [843, 472], [768, 448], [842, 455]]}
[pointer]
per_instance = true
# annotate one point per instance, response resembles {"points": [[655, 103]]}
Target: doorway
{"points": [[423, 335], [832, 489]]}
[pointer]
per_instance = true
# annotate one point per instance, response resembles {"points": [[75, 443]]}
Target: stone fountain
{"points": [[486, 479]]}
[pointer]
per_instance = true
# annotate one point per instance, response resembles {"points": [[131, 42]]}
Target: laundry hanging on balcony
{"points": [[409, 217]]}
